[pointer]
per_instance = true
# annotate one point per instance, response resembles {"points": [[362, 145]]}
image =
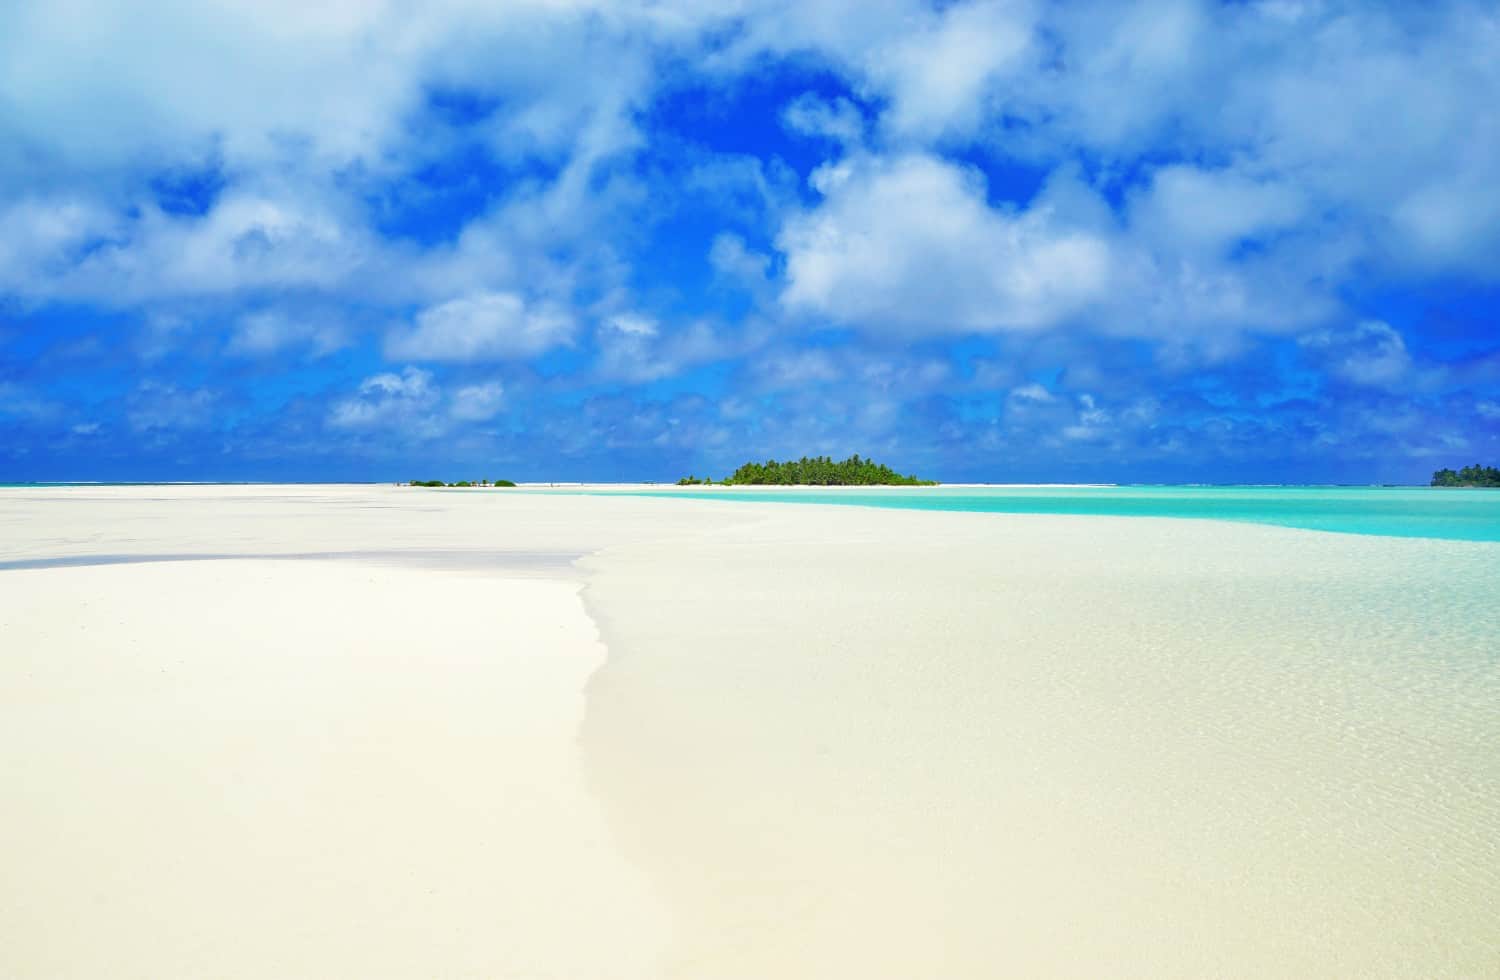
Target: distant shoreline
{"points": [[670, 485]]}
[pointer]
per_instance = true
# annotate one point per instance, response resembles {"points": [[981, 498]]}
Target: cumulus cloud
{"points": [[1190, 208], [268, 332], [636, 348], [77, 250], [632, 325], [837, 119], [1011, 189], [482, 326], [1093, 422], [939, 76], [1370, 353], [1374, 115], [1031, 392], [478, 402], [798, 369], [910, 245], [161, 407], [404, 404], [411, 406], [295, 120], [245, 241], [734, 261], [45, 236], [245, 80]]}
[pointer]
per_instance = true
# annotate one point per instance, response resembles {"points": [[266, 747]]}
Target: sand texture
{"points": [[381, 732]]}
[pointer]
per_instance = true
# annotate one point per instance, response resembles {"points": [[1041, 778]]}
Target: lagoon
{"points": [[1402, 512]]}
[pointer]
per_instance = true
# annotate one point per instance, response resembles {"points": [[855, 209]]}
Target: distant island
{"points": [[461, 483], [818, 471], [1469, 476]]}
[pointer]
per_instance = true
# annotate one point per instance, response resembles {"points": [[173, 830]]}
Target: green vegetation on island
{"points": [[818, 471], [1469, 476], [461, 483]]}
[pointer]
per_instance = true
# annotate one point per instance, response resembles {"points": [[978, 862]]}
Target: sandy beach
{"points": [[392, 732]]}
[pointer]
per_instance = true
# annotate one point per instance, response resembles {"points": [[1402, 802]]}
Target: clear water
{"points": [[1405, 512], [986, 746]]}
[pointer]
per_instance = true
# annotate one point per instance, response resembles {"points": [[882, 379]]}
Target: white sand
{"points": [[292, 769], [827, 742]]}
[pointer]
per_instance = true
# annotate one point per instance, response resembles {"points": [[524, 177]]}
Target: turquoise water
{"points": [[1407, 512]]}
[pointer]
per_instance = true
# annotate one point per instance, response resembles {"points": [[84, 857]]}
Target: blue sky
{"points": [[1166, 240]]}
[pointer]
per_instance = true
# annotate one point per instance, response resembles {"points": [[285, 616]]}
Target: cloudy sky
{"points": [[1163, 240]]}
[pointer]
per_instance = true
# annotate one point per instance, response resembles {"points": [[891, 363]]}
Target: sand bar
{"points": [[374, 732]]}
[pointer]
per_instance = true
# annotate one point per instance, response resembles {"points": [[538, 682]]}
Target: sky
{"points": [[983, 240]]}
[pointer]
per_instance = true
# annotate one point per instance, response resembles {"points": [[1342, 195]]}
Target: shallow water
{"points": [[849, 742], [1403, 512]]}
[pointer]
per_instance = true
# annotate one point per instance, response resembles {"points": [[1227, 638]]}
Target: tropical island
{"points": [[817, 471], [1469, 476], [461, 483]]}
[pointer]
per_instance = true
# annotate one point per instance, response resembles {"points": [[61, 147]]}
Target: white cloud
{"points": [[1351, 134], [1032, 392], [298, 112], [411, 405], [270, 331], [1371, 353], [910, 245], [402, 404], [939, 76], [1092, 423], [837, 119], [731, 259], [246, 241], [478, 402], [629, 351], [743, 188], [1375, 116], [94, 84], [798, 369], [1192, 209], [162, 334], [46, 235], [1345, 137], [157, 407], [73, 249], [633, 325], [483, 326], [634, 347]]}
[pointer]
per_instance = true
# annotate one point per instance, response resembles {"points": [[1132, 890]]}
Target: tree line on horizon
{"points": [[461, 483], [1469, 476], [817, 471]]}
